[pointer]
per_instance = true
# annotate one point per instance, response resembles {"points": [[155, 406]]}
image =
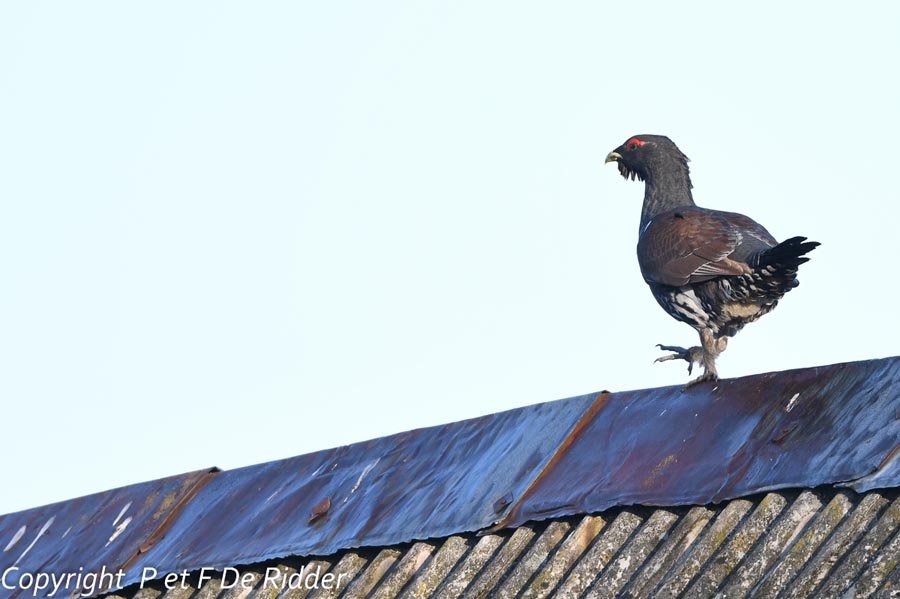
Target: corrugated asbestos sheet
{"points": [[830, 425], [818, 543]]}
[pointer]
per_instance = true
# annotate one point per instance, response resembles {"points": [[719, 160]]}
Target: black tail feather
{"points": [[775, 269], [787, 254]]}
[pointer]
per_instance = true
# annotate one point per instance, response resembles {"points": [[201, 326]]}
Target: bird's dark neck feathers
{"points": [[667, 185]]}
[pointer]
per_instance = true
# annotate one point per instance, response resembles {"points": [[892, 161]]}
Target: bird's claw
{"points": [[706, 376], [691, 355]]}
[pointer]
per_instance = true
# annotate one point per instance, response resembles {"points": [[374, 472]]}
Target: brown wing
{"points": [[690, 244]]}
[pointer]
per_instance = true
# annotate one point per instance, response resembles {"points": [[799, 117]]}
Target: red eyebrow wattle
{"points": [[634, 141]]}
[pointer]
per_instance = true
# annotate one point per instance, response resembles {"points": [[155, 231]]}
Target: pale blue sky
{"points": [[236, 232]]}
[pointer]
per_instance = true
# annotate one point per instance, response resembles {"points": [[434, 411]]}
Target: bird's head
{"points": [[643, 155]]}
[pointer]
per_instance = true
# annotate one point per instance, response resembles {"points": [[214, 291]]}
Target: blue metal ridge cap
{"points": [[837, 424], [429, 482], [89, 533], [434, 481]]}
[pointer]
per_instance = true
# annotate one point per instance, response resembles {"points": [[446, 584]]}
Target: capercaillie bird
{"points": [[714, 270]]}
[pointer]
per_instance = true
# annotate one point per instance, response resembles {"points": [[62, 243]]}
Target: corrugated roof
{"points": [[802, 543], [836, 424]]}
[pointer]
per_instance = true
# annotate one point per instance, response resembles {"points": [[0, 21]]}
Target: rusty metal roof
{"points": [[819, 543], [836, 424]]}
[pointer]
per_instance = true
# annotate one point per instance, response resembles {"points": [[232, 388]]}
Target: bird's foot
{"points": [[691, 355], [709, 375]]}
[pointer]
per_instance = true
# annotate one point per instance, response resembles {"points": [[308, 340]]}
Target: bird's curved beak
{"points": [[612, 157]]}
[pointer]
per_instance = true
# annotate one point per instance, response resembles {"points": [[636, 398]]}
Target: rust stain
{"points": [[785, 431], [148, 502], [589, 414], [889, 457], [502, 502], [165, 505], [170, 518], [658, 469], [320, 510]]}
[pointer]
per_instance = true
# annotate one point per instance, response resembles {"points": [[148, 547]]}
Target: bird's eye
{"points": [[633, 144]]}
